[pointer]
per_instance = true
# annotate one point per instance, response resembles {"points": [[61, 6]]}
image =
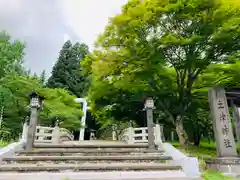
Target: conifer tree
{"points": [[43, 77], [67, 72]]}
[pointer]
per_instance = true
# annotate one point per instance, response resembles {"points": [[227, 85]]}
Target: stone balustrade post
{"points": [[56, 133], [25, 130], [131, 133], [172, 136], [114, 132], [162, 133], [158, 138], [92, 134], [145, 134]]}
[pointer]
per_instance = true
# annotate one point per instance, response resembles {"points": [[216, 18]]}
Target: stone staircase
{"points": [[90, 161]]}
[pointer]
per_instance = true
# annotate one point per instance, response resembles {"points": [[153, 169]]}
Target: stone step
{"points": [[99, 152], [88, 167], [117, 175], [82, 159], [91, 146]]}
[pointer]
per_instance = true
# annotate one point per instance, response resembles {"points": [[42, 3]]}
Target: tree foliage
{"points": [[11, 54], [59, 104], [165, 49], [16, 83]]}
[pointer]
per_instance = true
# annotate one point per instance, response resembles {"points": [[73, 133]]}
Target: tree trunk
{"points": [[196, 138], [197, 134], [182, 134], [1, 116]]}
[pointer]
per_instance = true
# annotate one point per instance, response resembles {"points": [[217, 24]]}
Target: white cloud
{"points": [[41, 25], [88, 18], [45, 24]]}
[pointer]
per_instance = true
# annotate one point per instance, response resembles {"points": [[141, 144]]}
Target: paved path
{"points": [[150, 175]]}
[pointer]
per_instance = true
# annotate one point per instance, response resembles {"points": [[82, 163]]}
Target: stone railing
{"points": [[49, 134], [12, 148], [140, 135], [189, 165], [43, 135], [66, 134]]}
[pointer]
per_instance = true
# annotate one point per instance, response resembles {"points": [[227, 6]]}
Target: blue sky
{"points": [[44, 25]]}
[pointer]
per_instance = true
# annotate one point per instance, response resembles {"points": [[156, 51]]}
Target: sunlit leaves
{"points": [[58, 103], [171, 49], [11, 54]]}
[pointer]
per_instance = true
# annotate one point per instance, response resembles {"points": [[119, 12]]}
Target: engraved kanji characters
{"points": [[220, 104], [225, 130], [227, 143], [223, 117]]}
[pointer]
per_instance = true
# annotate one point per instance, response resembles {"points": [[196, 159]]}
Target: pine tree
{"points": [[35, 76], [43, 77], [66, 72], [79, 83], [58, 77]]}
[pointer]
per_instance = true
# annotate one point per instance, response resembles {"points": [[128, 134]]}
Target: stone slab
{"points": [[94, 142], [89, 167], [229, 165], [83, 158], [224, 161], [90, 145], [75, 150], [121, 175]]}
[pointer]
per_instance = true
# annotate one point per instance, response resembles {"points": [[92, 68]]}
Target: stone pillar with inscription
{"points": [[222, 123]]}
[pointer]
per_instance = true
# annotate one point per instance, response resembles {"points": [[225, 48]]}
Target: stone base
{"points": [[227, 165]]}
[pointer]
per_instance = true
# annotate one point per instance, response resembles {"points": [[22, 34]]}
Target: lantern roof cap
{"points": [[35, 94]]}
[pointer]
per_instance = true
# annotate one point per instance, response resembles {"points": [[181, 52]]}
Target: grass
{"points": [[3, 143], [204, 151], [211, 175]]}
